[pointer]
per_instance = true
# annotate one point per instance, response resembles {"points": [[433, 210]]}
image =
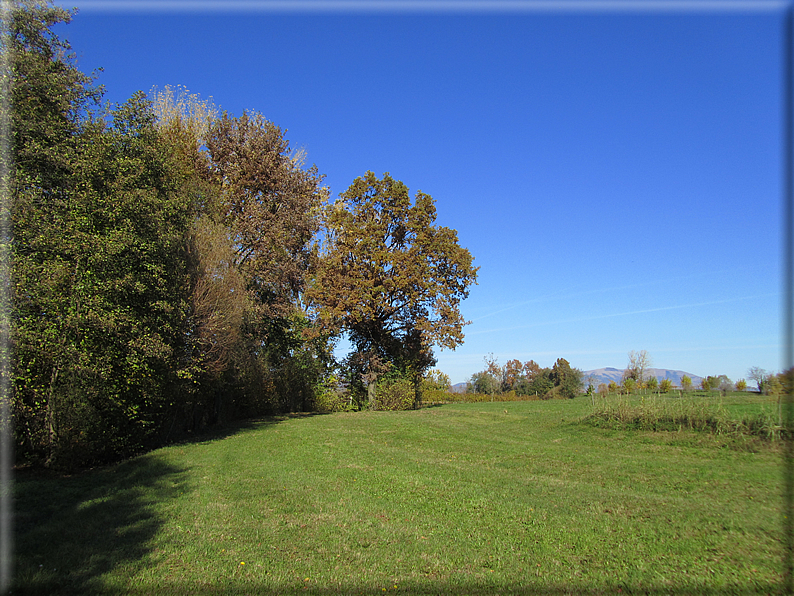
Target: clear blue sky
{"points": [[616, 174]]}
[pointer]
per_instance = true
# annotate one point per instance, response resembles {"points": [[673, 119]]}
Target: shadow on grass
{"points": [[69, 531], [458, 588], [238, 427]]}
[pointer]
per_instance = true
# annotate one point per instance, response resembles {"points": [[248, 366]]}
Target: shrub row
{"points": [[665, 414]]}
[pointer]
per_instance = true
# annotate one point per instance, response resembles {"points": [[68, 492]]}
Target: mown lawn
{"points": [[486, 498]]}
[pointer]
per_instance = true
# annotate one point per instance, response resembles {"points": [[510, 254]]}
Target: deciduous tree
{"points": [[270, 204], [639, 363], [629, 385], [257, 213], [510, 374], [485, 383], [531, 369], [101, 292], [723, 383], [538, 383], [390, 277], [686, 383], [569, 380], [50, 99], [761, 378]]}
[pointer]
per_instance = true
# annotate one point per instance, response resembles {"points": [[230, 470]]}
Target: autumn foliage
{"points": [[390, 278], [175, 266]]}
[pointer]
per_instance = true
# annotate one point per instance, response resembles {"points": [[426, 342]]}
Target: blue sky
{"points": [[615, 173]]}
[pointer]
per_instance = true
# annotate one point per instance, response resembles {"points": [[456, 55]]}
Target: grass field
{"points": [[484, 498]]}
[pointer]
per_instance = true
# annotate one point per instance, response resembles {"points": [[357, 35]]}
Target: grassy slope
{"points": [[470, 498]]}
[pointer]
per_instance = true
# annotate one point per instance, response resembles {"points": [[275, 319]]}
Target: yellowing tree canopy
{"points": [[390, 277]]}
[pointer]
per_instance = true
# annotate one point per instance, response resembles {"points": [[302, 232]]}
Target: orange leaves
{"points": [[386, 272]]}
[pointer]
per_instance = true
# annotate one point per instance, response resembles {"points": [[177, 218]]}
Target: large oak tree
{"points": [[391, 278]]}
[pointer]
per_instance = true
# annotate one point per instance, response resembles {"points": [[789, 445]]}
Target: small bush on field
{"points": [[394, 394], [666, 414], [331, 401], [328, 398], [558, 392]]}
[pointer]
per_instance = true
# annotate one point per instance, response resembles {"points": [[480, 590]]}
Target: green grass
{"points": [[502, 498]]}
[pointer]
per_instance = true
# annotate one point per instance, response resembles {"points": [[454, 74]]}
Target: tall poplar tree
{"points": [[252, 247]]}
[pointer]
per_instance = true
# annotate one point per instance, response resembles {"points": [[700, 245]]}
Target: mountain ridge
{"points": [[605, 375]]}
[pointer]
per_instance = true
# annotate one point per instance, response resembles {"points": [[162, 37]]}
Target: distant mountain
{"points": [[605, 375], [458, 388]]}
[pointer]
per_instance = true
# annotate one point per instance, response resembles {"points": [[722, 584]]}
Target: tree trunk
{"points": [[371, 395], [51, 419]]}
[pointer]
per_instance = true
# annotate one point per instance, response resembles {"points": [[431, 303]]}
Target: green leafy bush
{"points": [[328, 397], [394, 393]]}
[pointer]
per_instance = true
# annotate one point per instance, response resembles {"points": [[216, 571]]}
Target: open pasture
{"points": [[482, 498]]}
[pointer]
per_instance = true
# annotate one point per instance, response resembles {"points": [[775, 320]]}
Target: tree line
{"points": [[527, 379], [561, 380], [175, 266], [636, 378]]}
